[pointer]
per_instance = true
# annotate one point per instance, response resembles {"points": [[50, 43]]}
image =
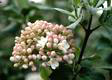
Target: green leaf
{"points": [[100, 2], [41, 7], [105, 67], [22, 3], [45, 73], [74, 25], [9, 27], [92, 57], [63, 11], [76, 2]]}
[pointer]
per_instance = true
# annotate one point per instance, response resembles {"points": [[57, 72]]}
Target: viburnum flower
{"points": [[46, 42]]}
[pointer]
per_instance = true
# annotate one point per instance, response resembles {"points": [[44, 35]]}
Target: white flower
{"points": [[63, 45], [54, 64], [41, 43]]}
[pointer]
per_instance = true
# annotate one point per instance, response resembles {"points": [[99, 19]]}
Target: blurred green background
{"points": [[14, 15]]}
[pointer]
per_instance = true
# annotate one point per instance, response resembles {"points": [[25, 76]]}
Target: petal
{"points": [[65, 43], [54, 65]]}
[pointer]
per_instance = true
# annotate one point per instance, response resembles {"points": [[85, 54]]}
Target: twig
{"points": [[96, 28], [87, 34]]}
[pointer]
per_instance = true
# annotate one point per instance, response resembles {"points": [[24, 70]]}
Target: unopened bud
{"points": [[25, 66], [38, 56], [65, 57], [31, 63], [71, 56], [53, 53], [29, 50], [44, 57], [12, 59]]}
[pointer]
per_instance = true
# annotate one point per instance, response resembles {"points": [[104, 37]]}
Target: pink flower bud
{"points": [[49, 45], [56, 40], [38, 56], [44, 58], [41, 49], [48, 53], [30, 57], [65, 57], [71, 56], [55, 36], [18, 57], [29, 50], [41, 52], [34, 56], [59, 59], [49, 39], [53, 53]]}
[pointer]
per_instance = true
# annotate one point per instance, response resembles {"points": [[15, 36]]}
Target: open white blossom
{"points": [[42, 42], [63, 45], [54, 64]]}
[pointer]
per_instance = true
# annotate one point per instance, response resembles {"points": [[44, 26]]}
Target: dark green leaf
{"points": [[45, 73]]}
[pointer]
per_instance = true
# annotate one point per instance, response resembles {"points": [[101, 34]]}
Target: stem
{"points": [[88, 31], [83, 47]]}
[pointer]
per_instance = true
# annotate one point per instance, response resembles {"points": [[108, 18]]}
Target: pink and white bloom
{"points": [[46, 42]]}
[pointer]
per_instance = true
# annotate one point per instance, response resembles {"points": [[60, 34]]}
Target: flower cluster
{"points": [[46, 42]]}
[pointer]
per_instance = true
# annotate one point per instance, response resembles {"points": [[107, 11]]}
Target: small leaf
{"points": [[105, 67], [45, 73], [63, 11], [70, 18], [92, 57], [9, 27], [41, 7], [100, 2], [74, 25]]}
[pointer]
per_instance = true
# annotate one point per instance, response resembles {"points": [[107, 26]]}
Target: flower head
{"points": [[49, 43]]}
